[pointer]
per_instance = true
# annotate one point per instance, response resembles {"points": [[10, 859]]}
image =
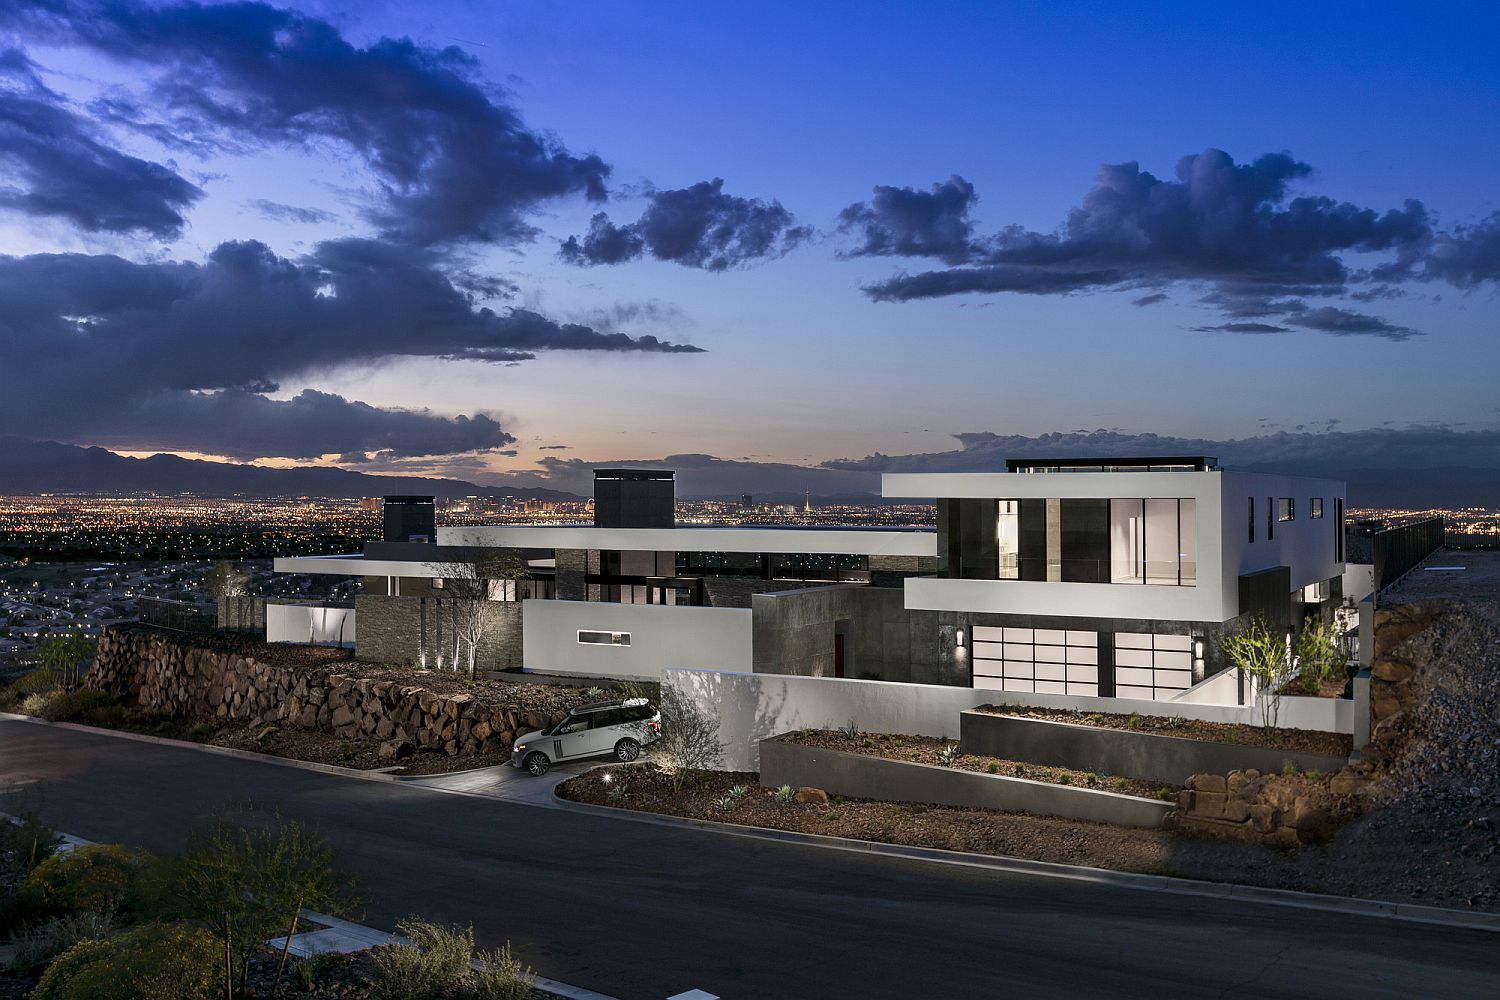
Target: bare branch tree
{"points": [[689, 737], [475, 585], [227, 580]]}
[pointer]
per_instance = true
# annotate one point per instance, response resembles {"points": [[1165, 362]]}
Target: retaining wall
{"points": [[869, 777], [753, 707], [1148, 756], [172, 677]]}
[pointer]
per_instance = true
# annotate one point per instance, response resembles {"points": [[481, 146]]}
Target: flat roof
{"points": [[769, 540]]}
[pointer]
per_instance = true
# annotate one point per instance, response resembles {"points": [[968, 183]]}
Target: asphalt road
{"points": [[642, 912]]}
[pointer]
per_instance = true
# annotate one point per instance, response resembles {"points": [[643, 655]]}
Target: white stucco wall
{"points": [[751, 707], [661, 637], [309, 623]]}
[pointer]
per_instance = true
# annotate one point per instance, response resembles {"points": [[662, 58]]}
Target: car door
{"points": [[602, 732], [570, 739]]}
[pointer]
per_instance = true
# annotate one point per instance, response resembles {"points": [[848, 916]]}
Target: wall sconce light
{"points": [[958, 638], [1198, 650]]}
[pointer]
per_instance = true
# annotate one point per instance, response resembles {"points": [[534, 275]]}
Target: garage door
{"points": [[1152, 665], [1042, 660]]}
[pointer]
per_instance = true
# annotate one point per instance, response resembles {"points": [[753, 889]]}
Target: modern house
{"points": [[1104, 577]]}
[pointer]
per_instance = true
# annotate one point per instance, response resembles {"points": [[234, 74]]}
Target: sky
{"points": [[506, 242]]}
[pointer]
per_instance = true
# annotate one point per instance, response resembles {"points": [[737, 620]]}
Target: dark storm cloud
{"points": [[54, 163], [195, 346], [1149, 300], [244, 425], [698, 226], [454, 159], [1233, 226], [905, 222]]}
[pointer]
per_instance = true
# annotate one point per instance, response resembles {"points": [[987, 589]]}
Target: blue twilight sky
{"points": [[913, 238]]}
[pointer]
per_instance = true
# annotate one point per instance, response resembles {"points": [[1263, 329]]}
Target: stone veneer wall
{"points": [[171, 676], [390, 631]]}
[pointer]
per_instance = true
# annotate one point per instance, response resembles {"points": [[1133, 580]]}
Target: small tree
{"points": [[64, 658], [245, 883], [1319, 653], [471, 585], [689, 737], [1261, 652], [227, 580]]}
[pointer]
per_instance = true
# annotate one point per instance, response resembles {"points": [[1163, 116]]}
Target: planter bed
{"points": [[1042, 838], [926, 750], [1234, 733], [1085, 742], [868, 776]]}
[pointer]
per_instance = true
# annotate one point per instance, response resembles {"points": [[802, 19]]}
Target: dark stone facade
{"points": [[397, 629]]}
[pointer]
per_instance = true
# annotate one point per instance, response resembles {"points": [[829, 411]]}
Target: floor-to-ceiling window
{"points": [[1008, 540], [1153, 541]]}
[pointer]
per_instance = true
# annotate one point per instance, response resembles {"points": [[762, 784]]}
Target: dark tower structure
{"points": [[410, 519], [635, 498]]}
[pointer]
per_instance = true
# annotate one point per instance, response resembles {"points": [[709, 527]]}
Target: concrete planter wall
{"points": [[866, 777], [1147, 756]]}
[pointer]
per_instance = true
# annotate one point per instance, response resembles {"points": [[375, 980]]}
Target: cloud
{"points": [[906, 222], [1328, 453], [1149, 300], [1242, 327], [291, 213], [698, 226], [194, 349], [1467, 257], [1235, 227], [56, 164], [452, 157]]}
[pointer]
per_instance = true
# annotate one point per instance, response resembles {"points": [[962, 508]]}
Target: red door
{"points": [[838, 655]]}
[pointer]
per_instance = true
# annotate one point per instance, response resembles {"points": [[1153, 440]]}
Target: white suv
{"points": [[617, 728]]}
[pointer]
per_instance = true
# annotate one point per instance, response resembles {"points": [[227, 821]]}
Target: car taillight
{"points": [[655, 726]]}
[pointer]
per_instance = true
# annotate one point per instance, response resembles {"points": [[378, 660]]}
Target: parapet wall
{"points": [[172, 676]]}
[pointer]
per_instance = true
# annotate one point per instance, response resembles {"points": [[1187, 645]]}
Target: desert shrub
{"points": [[992, 767], [96, 877], [151, 962], [40, 946], [309, 971], [35, 703], [67, 706], [35, 682], [501, 976], [435, 963], [689, 741], [785, 793]]}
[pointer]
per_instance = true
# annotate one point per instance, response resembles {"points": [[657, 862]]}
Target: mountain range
{"points": [[32, 467]]}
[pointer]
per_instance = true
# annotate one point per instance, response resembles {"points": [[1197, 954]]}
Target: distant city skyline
{"points": [[507, 244]]}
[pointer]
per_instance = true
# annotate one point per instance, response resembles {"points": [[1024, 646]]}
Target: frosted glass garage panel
{"points": [[1017, 635], [1132, 640], [1083, 638], [1173, 641], [1051, 636], [988, 633]]}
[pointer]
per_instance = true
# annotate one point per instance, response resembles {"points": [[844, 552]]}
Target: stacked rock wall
{"points": [[173, 677]]}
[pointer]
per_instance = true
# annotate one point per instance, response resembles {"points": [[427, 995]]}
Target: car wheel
{"points": [[537, 763], [627, 750]]}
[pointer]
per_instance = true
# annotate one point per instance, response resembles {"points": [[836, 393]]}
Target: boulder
{"points": [[342, 717], [809, 794], [1207, 783], [481, 731], [395, 750]]}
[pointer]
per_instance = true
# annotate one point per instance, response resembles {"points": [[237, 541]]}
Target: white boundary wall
{"points": [[309, 623], [752, 707], [661, 636]]}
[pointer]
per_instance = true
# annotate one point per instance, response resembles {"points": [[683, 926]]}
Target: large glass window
{"points": [[1153, 541], [1008, 540]]}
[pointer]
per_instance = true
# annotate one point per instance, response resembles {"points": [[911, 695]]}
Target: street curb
{"points": [[306, 765], [1078, 873]]}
